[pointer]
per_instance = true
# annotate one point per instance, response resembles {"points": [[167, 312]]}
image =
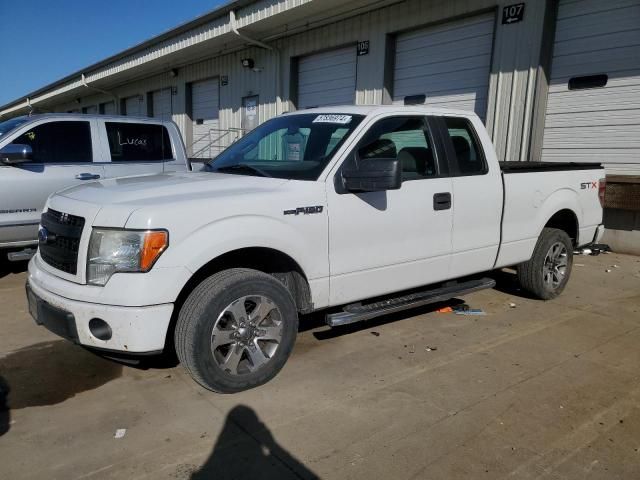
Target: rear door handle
{"points": [[87, 176], [442, 201]]}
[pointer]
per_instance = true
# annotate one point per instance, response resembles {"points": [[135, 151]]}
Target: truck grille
{"points": [[59, 240]]}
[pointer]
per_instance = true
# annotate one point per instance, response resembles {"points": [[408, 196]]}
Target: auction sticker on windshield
{"points": [[339, 119]]}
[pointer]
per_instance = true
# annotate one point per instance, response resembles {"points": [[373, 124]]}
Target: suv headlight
{"points": [[112, 251]]}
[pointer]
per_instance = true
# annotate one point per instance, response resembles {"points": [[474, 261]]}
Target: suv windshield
{"points": [[296, 147], [8, 125]]}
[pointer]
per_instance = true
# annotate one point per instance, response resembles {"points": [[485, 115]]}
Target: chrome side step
{"points": [[22, 255], [357, 312]]}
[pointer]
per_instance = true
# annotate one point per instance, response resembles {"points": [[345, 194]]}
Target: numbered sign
{"points": [[512, 13], [363, 48]]}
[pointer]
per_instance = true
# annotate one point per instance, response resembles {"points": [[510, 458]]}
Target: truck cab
{"points": [[41, 154]]}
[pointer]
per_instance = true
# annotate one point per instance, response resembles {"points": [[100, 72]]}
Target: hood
{"points": [[170, 188]]}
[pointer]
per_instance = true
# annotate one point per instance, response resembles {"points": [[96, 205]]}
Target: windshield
{"points": [[8, 125], [296, 147]]}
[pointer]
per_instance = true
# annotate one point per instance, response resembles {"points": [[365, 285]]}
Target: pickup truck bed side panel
{"points": [[531, 199]]}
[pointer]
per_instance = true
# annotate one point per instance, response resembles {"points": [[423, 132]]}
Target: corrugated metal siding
{"points": [[449, 63], [597, 124], [515, 57], [327, 78]]}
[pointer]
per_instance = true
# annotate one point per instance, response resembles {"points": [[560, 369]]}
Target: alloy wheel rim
{"points": [[246, 335], [555, 265]]}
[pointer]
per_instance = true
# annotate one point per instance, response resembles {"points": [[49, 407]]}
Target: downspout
{"points": [[116, 100], [278, 69]]}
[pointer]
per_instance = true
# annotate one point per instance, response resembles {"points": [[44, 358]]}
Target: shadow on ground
{"points": [[5, 416], [8, 268], [51, 372], [246, 449]]}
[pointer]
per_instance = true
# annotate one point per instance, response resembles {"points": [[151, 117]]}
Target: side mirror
{"points": [[15, 153], [372, 175]]}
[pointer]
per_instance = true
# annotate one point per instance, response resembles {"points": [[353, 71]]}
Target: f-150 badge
{"points": [[304, 210]]}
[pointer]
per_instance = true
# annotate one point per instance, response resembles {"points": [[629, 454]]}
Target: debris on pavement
{"points": [[465, 309], [593, 250], [608, 270], [375, 334], [512, 305], [120, 433], [578, 264], [445, 310], [431, 349]]}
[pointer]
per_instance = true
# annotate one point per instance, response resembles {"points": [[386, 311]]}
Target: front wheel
{"points": [[546, 274], [236, 330]]}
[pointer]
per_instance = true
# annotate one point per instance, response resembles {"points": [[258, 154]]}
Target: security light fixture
{"points": [[173, 72], [248, 63]]}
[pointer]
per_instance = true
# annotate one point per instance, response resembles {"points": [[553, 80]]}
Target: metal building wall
{"points": [[514, 64], [513, 70]]}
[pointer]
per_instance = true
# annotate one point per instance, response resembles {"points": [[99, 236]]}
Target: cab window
{"points": [[138, 142], [59, 142], [465, 146], [405, 138]]}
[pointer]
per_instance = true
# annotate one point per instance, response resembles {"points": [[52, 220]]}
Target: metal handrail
{"points": [[216, 137]]}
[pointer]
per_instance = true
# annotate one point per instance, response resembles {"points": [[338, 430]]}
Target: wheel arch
{"points": [[567, 221]]}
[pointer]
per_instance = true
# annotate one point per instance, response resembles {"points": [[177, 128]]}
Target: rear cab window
{"points": [[464, 147], [138, 142]]}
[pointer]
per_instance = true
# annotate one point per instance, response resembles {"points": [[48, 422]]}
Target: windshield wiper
{"points": [[239, 168]]}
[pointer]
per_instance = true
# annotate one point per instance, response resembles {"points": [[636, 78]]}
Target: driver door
{"points": [[62, 156], [388, 241]]}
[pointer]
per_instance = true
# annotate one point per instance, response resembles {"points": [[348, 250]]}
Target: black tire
{"points": [[207, 306], [532, 274]]}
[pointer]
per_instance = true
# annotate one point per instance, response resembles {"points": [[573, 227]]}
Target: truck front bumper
{"points": [[139, 330]]}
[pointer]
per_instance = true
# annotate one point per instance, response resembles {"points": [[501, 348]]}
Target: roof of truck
{"points": [[89, 116], [375, 109]]}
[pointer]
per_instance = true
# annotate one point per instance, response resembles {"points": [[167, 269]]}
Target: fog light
{"points": [[100, 329]]}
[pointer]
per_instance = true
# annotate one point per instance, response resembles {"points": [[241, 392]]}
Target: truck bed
{"points": [[524, 167]]}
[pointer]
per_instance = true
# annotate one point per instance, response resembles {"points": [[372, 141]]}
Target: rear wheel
{"points": [[236, 330], [546, 274]]}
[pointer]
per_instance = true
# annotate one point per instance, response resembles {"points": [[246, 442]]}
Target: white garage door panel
{"points": [[598, 124], [205, 112], [109, 108], [133, 106], [450, 64], [327, 78], [162, 107]]}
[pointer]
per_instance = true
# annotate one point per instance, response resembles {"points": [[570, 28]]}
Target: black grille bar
{"points": [[59, 240]]}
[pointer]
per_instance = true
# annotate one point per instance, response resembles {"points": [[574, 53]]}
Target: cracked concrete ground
{"points": [[542, 390]]}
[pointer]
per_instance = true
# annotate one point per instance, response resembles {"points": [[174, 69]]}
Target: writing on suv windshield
{"points": [[296, 147]]}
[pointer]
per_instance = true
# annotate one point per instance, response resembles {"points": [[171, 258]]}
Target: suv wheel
{"points": [[236, 330]]}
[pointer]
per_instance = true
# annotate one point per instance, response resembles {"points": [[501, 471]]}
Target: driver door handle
{"points": [[87, 176], [442, 201]]}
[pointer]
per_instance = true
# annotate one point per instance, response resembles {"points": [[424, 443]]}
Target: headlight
{"points": [[112, 251]]}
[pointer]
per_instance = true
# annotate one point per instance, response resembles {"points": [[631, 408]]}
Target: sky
{"points": [[45, 40]]}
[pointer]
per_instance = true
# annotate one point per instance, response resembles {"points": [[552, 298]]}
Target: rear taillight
{"points": [[602, 188]]}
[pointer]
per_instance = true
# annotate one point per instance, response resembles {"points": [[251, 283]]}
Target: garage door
{"points": [[91, 109], [327, 78], [133, 106], [108, 108], [593, 109], [448, 63], [161, 104], [207, 138]]}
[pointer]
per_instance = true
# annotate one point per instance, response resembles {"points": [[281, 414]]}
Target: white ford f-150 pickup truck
{"points": [[370, 209]]}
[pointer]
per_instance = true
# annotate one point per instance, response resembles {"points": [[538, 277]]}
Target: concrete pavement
{"points": [[542, 390]]}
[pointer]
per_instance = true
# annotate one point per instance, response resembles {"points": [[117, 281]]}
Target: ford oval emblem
{"points": [[43, 235]]}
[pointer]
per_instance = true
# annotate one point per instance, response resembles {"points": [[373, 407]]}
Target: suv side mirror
{"points": [[15, 153], [372, 175]]}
